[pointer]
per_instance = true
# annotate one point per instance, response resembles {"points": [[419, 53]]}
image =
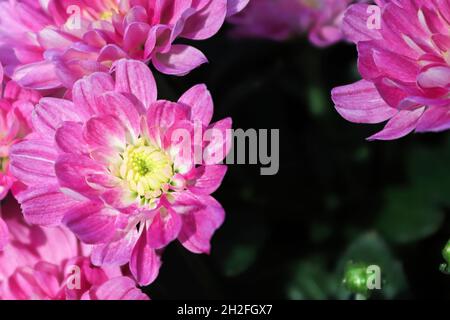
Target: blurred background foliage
{"points": [[337, 198]]}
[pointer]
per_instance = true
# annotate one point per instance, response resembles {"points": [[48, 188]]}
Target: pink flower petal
{"points": [[45, 205], [235, 6], [32, 161], [119, 106], [355, 25], [400, 125], [115, 253], [71, 172], [69, 138], [105, 131], [92, 223], [164, 228], [50, 113], [200, 101], [206, 179], [217, 140], [207, 22], [179, 61], [120, 288], [361, 103], [135, 78], [86, 91], [202, 216], [4, 234], [145, 262], [39, 76]]}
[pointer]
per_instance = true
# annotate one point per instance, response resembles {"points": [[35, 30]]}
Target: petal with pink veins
{"points": [[400, 125], [32, 161], [361, 103], [145, 262], [201, 103], [206, 179], [120, 288], [4, 234], [164, 228], [105, 131], [86, 91], [202, 215], [206, 22], [39, 76], [92, 223], [135, 78], [50, 113], [115, 253], [71, 172], [119, 106], [45, 205], [69, 138], [179, 61]]}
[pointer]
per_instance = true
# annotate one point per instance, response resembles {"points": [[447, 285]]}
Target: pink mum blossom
{"points": [[283, 19], [16, 105], [405, 66], [108, 167], [53, 43], [50, 264]]}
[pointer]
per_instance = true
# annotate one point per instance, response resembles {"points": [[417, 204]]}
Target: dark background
{"points": [[337, 198]]}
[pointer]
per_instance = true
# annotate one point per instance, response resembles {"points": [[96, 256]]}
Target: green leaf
{"points": [[238, 253], [318, 101], [414, 212], [310, 281], [408, 216]]}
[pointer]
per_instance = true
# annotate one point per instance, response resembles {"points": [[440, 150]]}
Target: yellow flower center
{"points": [[107, 15], [146, 169], [314, 4], [3, 163]]}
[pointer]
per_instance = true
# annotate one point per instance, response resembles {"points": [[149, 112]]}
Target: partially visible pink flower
{"points": [[16, 105], [50, 264], [122, 170], [53, 43], [405, 65], [283, 19]]}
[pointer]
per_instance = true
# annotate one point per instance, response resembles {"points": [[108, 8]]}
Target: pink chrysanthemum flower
{"points": [[15, 106], [50, 264], [115, 168], [53, 43], [283, 19], [405, 65]]}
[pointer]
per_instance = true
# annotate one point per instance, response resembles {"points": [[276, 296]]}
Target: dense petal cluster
{"points": [[50, 264], [283, 19], [16, 105], [122, 170], [405, 66], [51, 44], [109, 173]]}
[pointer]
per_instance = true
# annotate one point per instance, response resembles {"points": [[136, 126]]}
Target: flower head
{"points": [[50, 264], [125, 172], [405, 67], [51, 44], [16, 105], [283, 19]]}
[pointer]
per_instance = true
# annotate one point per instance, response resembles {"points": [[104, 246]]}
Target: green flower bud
{"points": [[355, 279], [446, 252], [445, 267]]}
